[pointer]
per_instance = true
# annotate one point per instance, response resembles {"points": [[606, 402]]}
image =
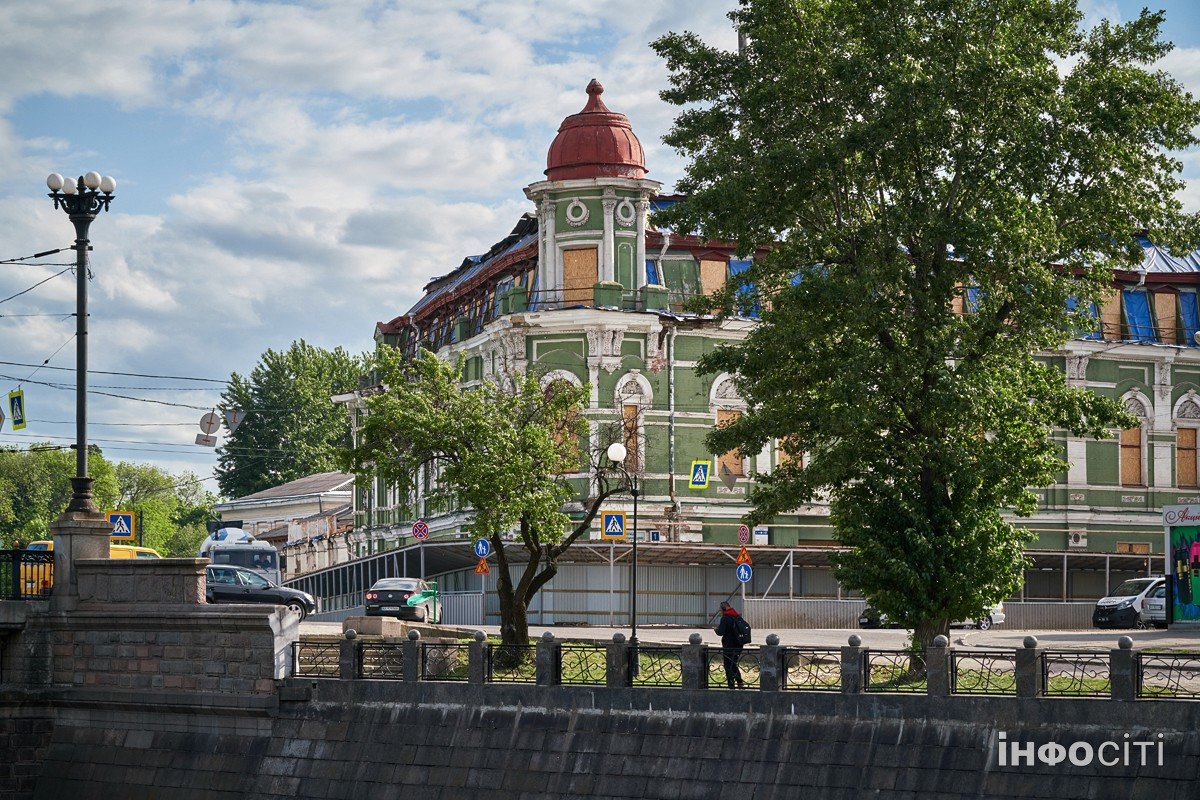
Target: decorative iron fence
{"points": [[744, 662], [983, 672], [383, 660], [443, 662], [26, 574], [583, 664], [1075, 674], [316, 659], [807, 669], [891, 671], [656, 665], [1174, 676], [511, 663]]}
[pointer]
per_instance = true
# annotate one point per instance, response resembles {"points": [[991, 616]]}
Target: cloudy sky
{"points": [[296, 170]]}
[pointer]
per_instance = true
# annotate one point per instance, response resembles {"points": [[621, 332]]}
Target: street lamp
{"points": [[616, 454], [82, 200]]}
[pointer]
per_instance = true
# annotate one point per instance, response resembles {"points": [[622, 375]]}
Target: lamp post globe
{"points": [[81, 200], [616, 452]]}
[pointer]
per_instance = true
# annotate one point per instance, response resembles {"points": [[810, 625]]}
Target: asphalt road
{"points": [[998, 637]]}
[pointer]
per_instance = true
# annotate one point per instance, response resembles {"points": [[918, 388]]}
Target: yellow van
{"points": [[37, 578]]}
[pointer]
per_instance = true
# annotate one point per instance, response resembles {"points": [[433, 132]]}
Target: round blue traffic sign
{"points": [[744, 573], [420, 530], [482, 548]]}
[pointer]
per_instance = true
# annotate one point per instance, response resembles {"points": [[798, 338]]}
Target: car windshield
{"points": [[1131, 588], [38, 546], [401, 584], [251, 579]]}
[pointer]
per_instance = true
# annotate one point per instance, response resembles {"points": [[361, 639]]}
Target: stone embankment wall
{"points": [[385, 739]]}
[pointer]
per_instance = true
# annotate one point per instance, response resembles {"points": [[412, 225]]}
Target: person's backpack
{"points": [[742, 629]]}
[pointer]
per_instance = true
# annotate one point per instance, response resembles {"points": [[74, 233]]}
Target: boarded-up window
{"points": [[1110, 316], [1185, 458], [579, 276], [629, 426], [1131, 457], [712, 275], [788, 451], [1165, 317], [566, 434], [729, 463]]}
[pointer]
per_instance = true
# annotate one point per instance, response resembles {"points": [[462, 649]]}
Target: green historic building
{"points": [[585, 290]]}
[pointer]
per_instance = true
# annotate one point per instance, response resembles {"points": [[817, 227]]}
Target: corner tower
{"points": [[592, 211]]}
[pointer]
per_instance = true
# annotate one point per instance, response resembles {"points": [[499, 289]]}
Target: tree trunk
{"points": [[924, 633]]}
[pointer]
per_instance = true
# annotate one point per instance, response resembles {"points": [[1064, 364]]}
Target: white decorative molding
{"points": [[1188, 406], [724, 393], [1077, 367], [577, 213], [633, 389], [626, 213], [604, 348], [555, 375], [1137, 404]]}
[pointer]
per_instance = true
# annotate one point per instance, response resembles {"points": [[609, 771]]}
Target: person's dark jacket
{"points": [[727, 628]]}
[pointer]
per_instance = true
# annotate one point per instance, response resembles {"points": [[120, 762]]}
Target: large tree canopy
{"points": [[934, 179], [292, 428], [35, 487], [503, 452]]}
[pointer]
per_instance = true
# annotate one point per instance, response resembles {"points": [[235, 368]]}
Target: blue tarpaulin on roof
{"points": [[746, 293], [652, 273], [973, 296], [1073, 303], [1191, 317], [1137, 316]]}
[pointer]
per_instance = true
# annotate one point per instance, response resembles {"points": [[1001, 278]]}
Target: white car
{"points": [[1154, 609], [871, 618], [1123, 606]]}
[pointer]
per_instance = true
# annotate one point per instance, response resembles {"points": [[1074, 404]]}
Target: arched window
{"points": [[633, 396], [1133, 444], [729, 407], [1187, 420]]}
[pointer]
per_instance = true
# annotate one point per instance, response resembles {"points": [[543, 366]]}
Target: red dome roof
{"points": [[595, 143]]}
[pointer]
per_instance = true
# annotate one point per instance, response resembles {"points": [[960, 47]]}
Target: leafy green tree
{"points": [[292, 428], [172, 510], [503, 452], [36, 486], [933, 179]]}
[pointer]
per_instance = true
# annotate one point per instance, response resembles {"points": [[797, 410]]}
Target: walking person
{"points": [[735, 634]]}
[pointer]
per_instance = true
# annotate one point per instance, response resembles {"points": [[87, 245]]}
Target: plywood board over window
{"points": [[579, 275], [729, 463], [1131, 457], [712, 275], [1185, 458], [1165, 317], [633, 450], [1110, 316]]}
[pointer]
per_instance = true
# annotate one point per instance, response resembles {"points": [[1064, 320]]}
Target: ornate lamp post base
{"points": [[81, 496]]}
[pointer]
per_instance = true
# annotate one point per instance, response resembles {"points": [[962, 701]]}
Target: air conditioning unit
{"points": [[1077, 539]]}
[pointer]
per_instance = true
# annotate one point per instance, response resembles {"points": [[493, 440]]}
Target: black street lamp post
{"points": [[616, 454], [82, 200]]}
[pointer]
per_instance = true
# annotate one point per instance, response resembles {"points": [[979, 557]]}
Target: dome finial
{"points": [[594, 104]]}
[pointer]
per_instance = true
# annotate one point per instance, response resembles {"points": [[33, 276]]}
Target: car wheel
{"points": [[1141, 624], [297, 607], [984, 624]]}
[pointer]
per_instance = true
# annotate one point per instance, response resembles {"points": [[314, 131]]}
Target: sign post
{"points": [[420, 532]]}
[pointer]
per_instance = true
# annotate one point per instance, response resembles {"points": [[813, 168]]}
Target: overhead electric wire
{"points": [[124, 374], [63, 314], [42, 254], [36, 285], [70, 339]]}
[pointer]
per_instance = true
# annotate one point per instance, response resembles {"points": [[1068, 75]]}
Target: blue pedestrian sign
{"points": [[745, 572], [612, 525], [700, 473], [483, 548], [121, 524]]}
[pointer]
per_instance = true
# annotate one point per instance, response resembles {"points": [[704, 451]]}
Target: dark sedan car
{"points": [[229, 584], [403, 598]]}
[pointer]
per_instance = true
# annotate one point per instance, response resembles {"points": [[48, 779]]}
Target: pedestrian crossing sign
{"points": [[16, 406], [122, 524], [612, 525], [700, 472]]}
